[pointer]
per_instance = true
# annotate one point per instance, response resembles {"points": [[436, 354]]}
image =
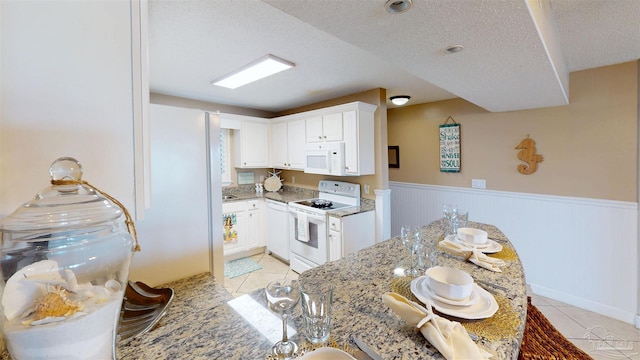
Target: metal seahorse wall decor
{"points": [[528, 154]]}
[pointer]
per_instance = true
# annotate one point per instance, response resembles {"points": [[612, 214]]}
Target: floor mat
{"points": [[239, 267]]}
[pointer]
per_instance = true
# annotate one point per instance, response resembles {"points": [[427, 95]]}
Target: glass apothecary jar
{"points": [[65, 260]]}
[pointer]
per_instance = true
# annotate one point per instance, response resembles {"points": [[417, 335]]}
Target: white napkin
{"points": [[473, 255], [449, 337], [303, 225]]}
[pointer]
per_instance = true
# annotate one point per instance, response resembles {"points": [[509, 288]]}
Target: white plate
{"points": [[489, 248], [484, 308], [327, 353], [422, 284]]}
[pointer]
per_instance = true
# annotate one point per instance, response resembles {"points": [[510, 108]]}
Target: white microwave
{"points": [[325, 158]]}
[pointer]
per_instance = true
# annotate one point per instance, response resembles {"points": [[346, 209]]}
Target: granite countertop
{"points": [[205, 322]]}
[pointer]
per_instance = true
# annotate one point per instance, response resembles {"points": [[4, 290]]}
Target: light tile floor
{"points": [[601, 337]]}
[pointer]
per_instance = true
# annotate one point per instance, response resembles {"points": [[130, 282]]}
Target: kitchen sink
{"points": [[228, 197]]}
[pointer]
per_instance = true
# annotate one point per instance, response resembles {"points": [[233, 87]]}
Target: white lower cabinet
{"points": [[242, 226], [277, 229], [348, 234], [255, 224]]}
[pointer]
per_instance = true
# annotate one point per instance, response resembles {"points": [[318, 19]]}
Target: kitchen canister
{"points": [[65, 260]]}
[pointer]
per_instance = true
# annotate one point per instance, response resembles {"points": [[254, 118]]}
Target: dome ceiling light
{"points": [[397, 6], [400, 99], [453, 49]]}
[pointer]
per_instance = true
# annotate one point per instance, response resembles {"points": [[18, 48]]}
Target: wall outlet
{"points": [[478, 183], [293, 179], [261, 178], [366, 188]]}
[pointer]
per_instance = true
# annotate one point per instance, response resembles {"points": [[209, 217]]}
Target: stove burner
{"points": [[321, 204]]}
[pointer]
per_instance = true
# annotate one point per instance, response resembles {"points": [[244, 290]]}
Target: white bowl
{"points": [[450, 283], [472, 236]]}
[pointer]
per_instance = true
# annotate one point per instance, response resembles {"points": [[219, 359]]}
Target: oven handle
{"points": [[310, 214]]}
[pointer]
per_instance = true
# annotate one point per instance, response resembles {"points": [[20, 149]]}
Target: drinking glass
{"points": [[316, 296], [414, 243], [450, 212], [282, 296], [461, 220]]}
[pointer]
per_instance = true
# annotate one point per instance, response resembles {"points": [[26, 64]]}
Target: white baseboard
{"points": [[586, 304]]}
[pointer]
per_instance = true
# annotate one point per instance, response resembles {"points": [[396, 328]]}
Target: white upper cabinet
{"points": [[287, 144], [359, 145], [250, 140], [324, 128]]}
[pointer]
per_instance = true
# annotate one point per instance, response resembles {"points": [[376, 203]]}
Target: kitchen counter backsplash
{"points": [[290, 193]]}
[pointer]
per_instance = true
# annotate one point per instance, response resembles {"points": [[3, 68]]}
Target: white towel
{"points": [[303, 226]]}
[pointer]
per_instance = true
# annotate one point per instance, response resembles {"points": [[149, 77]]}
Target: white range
{"points": [[312, 241]]}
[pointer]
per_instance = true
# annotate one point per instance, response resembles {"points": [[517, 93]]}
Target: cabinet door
{"points": [[314, 129], [351, 146], [234, 229], [332, 127], [296, 143], [255, 231], [335, 245], [279, 145], [254, 142]]}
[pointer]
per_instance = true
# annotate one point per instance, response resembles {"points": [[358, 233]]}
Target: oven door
{"points": [[307, 237]]}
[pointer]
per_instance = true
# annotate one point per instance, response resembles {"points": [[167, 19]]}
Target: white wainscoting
{"points": [[579, 251]]}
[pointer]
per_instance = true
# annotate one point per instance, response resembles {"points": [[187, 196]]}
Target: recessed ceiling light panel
{"points": [[259, 69], [397, 6]]}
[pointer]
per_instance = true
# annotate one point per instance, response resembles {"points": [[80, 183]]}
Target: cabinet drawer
{"points": [[335, 224], [253, 204]]}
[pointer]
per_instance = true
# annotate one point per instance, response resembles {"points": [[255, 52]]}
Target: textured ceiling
{"points": [[517, 55]]}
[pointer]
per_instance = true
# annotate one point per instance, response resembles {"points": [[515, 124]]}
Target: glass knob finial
{"points": [[66, 168]]}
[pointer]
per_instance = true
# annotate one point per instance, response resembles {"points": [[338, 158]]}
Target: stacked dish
{"points": [[450, 292], [475, 239]]}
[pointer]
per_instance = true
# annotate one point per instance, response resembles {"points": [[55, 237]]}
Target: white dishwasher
{"points": [[278, 229]]}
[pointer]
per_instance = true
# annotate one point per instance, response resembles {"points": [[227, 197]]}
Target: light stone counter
{"points": [[204, 322]]}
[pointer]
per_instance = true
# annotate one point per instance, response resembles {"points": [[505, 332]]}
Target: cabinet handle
{"points": [[320, 137]]}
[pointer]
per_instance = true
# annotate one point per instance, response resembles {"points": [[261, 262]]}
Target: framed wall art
{"points": [[394, 156], [450, 146]]}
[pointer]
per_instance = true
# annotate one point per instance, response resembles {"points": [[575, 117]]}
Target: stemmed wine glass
{"points": [[282, 296], [450, 212]]}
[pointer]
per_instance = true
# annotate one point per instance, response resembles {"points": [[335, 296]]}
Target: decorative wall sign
{"points": [[450, 146], [528, 154], [394, 156]]}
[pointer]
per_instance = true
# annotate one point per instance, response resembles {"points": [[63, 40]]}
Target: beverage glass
{"points": [[282, 296], [416, 250], [450, 212], [461, 220], [316, 297]]}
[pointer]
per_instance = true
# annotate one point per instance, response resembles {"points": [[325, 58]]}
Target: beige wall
{"points": [[589, 146]]}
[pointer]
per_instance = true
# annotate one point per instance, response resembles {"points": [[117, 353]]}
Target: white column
{"points": [[383, 214]]}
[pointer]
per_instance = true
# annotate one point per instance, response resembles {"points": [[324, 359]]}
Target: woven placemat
{"points": [[503, 324]]}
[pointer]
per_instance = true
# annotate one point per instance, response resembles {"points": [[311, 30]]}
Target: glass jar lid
{"points": [[68, 206]]}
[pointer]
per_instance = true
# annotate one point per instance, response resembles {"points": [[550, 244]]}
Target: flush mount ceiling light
{"points": [[453, 49], [397, 6], [261, 68], [400, 99]]}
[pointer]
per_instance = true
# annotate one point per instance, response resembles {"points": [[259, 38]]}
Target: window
{"points": [[225, 168]]}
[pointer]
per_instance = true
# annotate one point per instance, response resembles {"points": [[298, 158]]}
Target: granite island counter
{"points": [[360, 279], [205, 322]]}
